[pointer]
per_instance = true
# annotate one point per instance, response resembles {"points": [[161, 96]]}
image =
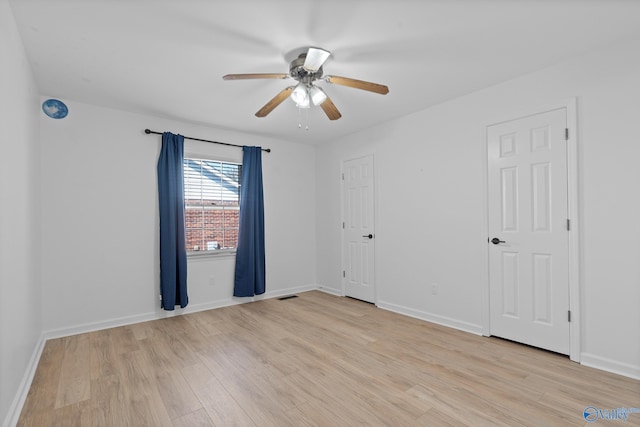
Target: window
{"points": [[212, 204]]}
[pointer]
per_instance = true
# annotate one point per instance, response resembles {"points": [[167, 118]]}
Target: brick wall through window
{"points": [[212, 204]]}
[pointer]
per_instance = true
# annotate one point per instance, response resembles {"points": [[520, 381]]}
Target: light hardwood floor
{"points": [[315, 360]]}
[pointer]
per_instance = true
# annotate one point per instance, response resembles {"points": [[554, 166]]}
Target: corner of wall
{"points": [[25, 384]]}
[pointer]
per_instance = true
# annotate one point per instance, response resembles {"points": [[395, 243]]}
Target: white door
{"points": [[359, 233], [528, 230]]}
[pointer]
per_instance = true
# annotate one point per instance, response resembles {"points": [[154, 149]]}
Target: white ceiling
{"points": [[167, 58]]}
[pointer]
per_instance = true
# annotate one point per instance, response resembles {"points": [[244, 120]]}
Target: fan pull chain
{"points": [[300, 118]]}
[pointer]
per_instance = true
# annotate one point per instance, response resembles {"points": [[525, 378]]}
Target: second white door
{"points": [[358, 227]]}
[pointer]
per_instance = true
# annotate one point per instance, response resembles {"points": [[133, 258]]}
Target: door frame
{"points": [[343, 262], [572, 212]]}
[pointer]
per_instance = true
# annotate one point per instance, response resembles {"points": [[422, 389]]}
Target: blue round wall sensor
{"points": [[55, 109]]}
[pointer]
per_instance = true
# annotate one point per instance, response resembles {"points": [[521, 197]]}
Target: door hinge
{"points": [[344, 273], [566, 134], [568, 224], [569, 316], [343, 225], [343, 176]]}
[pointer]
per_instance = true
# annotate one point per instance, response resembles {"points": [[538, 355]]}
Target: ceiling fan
{"points": [[306, 69]]}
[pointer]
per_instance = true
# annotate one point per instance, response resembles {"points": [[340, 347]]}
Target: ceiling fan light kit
{"points": [[317, 95], [307, 69], [300, 96], [306, 95]]}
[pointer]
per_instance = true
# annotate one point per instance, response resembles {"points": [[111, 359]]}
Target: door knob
{"points": [[370, 236], [495, 241]]}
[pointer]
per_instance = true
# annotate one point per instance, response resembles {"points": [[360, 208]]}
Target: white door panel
{"points": [[527, 196], [359, 234]]}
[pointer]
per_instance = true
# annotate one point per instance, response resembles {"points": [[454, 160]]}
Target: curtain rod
{"points": [[147, 131]]}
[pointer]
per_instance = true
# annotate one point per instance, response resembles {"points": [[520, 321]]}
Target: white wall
{"points": [[430, 206], [20, 310], [100, 221]]}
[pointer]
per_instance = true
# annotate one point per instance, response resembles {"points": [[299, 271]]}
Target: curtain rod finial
{"points": [[147, 131]]}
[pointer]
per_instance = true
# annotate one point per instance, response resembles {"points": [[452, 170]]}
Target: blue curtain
{"points": [[173, 252], [250, 265]]}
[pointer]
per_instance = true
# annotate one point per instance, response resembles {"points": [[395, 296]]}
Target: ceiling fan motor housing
{"points": [[299, 73]]}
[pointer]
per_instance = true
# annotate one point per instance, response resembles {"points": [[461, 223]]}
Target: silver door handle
{"points": [[369, 236]]}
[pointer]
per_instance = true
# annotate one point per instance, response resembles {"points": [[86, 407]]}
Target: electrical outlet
{"points": [[434, 289]]}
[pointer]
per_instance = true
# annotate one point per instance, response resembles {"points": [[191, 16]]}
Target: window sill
{"points": [[220, 253]]}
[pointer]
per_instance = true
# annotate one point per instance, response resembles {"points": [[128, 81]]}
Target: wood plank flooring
{"points": [[315, 360]]}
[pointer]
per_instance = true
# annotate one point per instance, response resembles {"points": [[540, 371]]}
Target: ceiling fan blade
{"points": [[255, 76], [358, 84], [330, 109], [274, 102], [315, 58]]}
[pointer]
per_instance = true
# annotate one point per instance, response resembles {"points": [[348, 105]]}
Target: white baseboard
{"points": [[23, 389], [331, 291], [433, 318], [613, 366], [162, 314], [97, 326], [586, 359], [288, 291]]}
